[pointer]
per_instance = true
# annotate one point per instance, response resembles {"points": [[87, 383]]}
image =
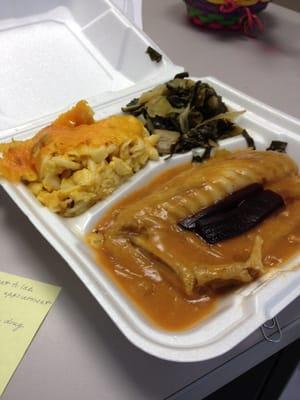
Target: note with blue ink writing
{"points": [[24, 304]]}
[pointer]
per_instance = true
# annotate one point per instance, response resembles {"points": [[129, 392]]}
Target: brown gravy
{"points": [[154, 288]]}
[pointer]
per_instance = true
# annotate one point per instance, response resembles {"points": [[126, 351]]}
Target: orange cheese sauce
{"points": [[155, 289], [22, 159]]}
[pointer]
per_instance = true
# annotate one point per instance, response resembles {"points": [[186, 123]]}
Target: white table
{"points": [[78, 352]]}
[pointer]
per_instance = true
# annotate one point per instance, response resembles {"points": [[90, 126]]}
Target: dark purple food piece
{"points": [[231, 201], [239, 220]]}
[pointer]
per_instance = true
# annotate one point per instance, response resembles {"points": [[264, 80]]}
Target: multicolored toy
{"points": [[237, 15]]}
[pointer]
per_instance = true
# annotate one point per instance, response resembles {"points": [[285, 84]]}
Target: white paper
{"points": [[132, 9]]}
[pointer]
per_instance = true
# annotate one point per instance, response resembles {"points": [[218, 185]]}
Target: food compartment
{"points": [[263, 135], [235, 316]]}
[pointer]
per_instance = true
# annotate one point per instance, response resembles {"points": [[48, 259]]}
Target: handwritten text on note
{"points": [[24, 304]]}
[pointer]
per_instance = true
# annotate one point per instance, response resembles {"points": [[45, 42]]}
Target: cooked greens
{"points": [[167, 140], [206, 135], [182, 75], [249, 140], [188, 114], [154, 54], [277, 145], [199, 158]]}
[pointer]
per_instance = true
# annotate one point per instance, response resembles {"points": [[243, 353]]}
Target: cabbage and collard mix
{"points": [[186, 114]]}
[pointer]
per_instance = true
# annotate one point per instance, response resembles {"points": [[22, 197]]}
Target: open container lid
{"points": [[56, 52]]}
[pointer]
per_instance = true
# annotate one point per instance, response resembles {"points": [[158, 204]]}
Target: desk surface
{"points": [[78, 352]]}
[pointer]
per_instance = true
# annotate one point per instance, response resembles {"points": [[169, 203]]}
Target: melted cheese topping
{"points": [[76, 128]]}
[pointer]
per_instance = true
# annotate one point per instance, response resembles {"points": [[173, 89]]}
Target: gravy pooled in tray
{"points": [[197, 229]]}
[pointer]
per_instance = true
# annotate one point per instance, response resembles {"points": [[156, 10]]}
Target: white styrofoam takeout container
{"points": [[57, 52]]}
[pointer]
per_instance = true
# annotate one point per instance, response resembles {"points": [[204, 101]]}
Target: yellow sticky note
{"points": [[24, 304]]}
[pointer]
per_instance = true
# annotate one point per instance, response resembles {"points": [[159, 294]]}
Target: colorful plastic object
{"points": [[236, 15]]}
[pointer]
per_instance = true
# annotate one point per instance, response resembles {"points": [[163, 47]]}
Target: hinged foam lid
{"points": [[55, 52]]}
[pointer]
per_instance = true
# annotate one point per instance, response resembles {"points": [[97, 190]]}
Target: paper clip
{"points": [[272, 328]]}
